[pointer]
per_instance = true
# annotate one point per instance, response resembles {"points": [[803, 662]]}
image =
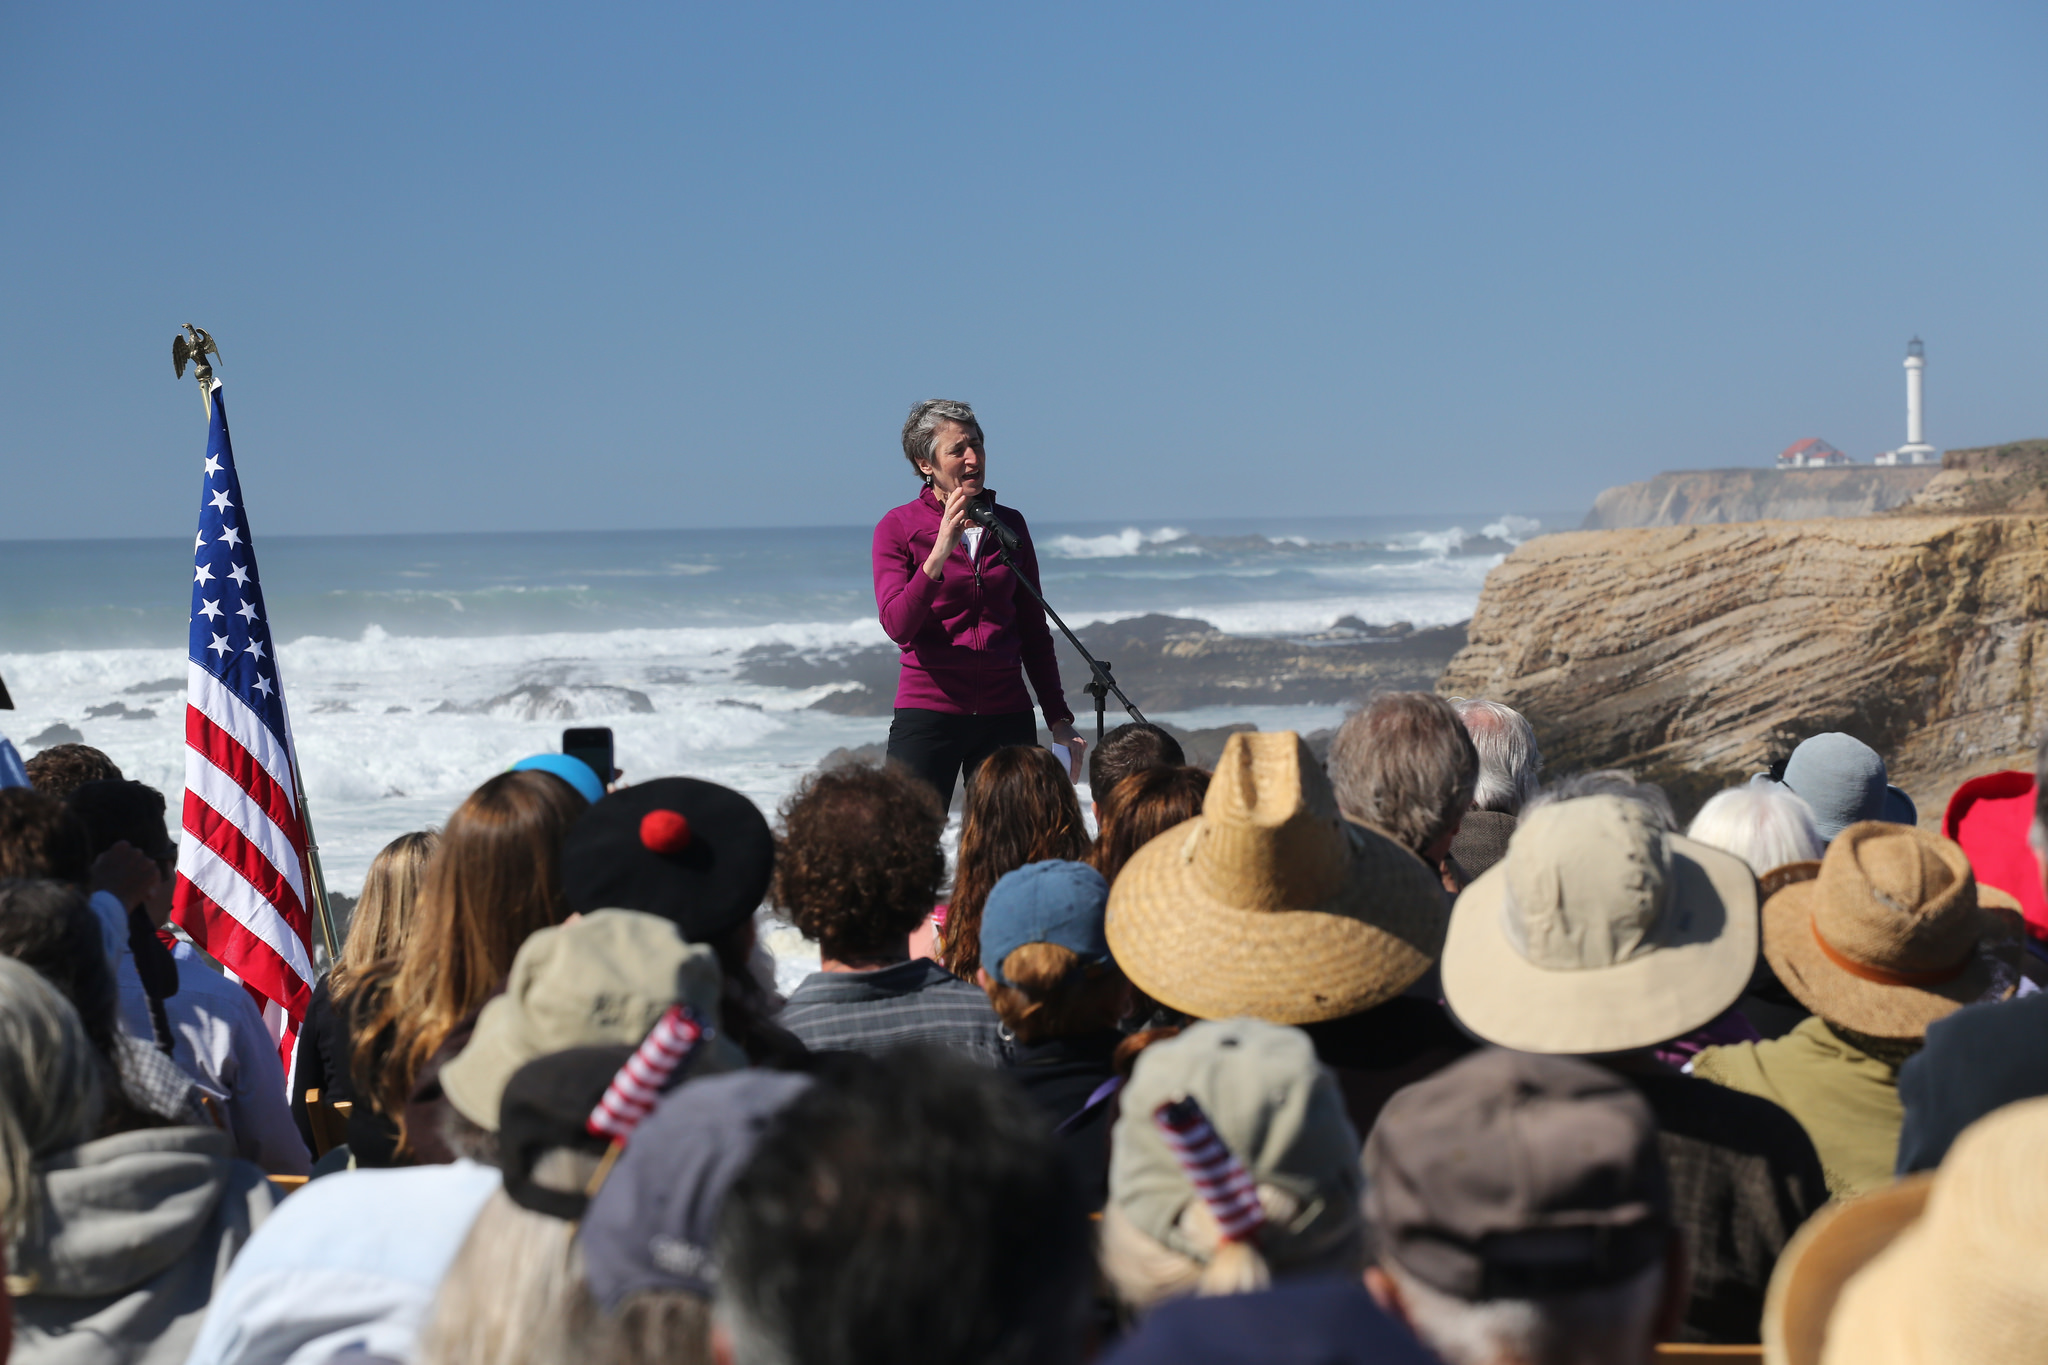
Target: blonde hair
{"points": [[51, 1094], [383, 915], [515, 1293], [1052, 994], [494, 878], [1146, 1273]]}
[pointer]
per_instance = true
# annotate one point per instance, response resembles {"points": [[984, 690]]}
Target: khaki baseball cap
{"points": [[604, 978], [1513, 1175], [1273, 1105]]}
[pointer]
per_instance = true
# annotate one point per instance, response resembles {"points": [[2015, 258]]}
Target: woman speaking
{"points": [[967, 631]]}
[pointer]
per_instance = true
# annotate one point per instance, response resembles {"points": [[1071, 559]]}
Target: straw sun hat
{"points": [[1269, 903], [1891, 932], [1600, 932], [1941, 1267]]}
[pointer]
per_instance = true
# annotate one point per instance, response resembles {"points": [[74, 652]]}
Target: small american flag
{"points": [[1219, 1177], [243, 890], [636, 1089]]}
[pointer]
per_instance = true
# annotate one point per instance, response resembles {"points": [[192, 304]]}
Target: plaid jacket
{"points": [[1744, 1176], [913, 1002]]}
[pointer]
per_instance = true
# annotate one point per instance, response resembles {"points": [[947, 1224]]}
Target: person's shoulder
{"points": [[203, 981], [1696, 1107], [353, 1218], [1986, 1030], [902, 515]]}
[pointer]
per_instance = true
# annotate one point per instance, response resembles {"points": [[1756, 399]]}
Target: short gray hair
{"points": [[1764, 823], [1405, 765], [1611, 1325], [1510, 764], [51, 1095], [920, 432], [1608, 782]]}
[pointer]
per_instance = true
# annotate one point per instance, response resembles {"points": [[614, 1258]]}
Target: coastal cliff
{"points": [[1716, 496], [1696, 655]]}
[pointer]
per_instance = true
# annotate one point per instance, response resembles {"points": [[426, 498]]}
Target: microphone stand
{"points": [[1103, 682]]}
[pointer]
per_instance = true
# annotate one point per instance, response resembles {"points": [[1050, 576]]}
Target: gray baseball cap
{"points": [[1514, 1175], [653, 1223]]}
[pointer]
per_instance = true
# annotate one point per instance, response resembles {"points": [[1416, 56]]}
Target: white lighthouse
{"points": [[1915, 450]]}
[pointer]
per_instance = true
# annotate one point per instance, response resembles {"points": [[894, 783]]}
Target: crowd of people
{"points": [[1398, 1056]]}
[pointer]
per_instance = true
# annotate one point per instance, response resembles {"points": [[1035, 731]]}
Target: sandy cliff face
{"points": [[1696, 655], [1716, 496]]}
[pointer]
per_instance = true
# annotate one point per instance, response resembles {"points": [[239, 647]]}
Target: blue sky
{"points": [[511, 266]]}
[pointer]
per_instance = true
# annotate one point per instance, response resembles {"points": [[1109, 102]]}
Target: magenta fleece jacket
{"points": [[964, 636]]}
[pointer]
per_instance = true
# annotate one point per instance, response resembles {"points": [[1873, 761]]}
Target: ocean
{"points": [[416, 666]]}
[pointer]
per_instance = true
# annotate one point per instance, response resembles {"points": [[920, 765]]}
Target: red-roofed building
{"points": [[1811, 453]]}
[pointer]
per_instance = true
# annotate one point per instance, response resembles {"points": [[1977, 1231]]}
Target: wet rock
{"points": [[60, 733]]}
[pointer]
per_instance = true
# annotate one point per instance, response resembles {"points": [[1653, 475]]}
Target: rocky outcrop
{"points": [[1696, 655], [2005, 478], [1707, 497]]}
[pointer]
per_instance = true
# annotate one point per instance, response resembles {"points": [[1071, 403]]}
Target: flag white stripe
{"points": [[226, 888], [233, 715], [234, 804]]}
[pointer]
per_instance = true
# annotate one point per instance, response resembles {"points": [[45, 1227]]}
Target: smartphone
{"points": [[594, 747]]}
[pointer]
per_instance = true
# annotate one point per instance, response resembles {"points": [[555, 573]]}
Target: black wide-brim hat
{"points": [[695, 853]]}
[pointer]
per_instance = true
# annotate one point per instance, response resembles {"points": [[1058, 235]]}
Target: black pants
{"points": [[939, 745]]}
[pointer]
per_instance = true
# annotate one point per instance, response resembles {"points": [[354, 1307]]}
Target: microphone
{"points": [[984, 516]]}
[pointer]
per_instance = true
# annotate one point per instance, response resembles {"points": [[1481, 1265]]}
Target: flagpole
{"points": [[198, 349]]}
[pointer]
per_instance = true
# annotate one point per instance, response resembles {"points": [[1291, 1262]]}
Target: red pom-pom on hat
{"points": [[665, 831]]}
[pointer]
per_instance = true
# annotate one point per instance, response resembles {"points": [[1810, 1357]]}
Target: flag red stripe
{"points": [[250, 958], [226, 753], [216, 832]]}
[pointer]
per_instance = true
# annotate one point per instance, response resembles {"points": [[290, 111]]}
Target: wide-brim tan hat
{"points": [[1599, 932], [1892, 933], [1269, 904], [1942, 1268]]}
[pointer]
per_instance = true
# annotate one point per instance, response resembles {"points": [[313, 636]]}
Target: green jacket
{"points": [[1847, 1101]]}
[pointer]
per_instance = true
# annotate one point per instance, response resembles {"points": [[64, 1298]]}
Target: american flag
{"points": [[243, 890]]}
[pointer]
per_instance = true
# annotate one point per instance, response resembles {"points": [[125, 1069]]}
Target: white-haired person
{"points": [[1764, 823], [115, 1244], [1770, 827], [1510, 773]]}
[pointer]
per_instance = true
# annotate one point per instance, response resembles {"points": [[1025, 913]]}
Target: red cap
{"points": [[665, 831], [1990, 817]]}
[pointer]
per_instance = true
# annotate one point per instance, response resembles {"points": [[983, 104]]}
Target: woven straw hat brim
{"points": [[1820, 1259], [1681, 986], [1194, 953], [1880, 1010]]}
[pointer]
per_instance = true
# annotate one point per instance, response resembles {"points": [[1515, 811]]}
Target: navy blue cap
{"points": [[1314, 1321], [1048, 902], [652, 1223], [574, 771]]}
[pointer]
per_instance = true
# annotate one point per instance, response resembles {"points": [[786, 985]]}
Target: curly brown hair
{"points": [[1021, 808], [62, 769], [860, 863], [40, 836]]}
